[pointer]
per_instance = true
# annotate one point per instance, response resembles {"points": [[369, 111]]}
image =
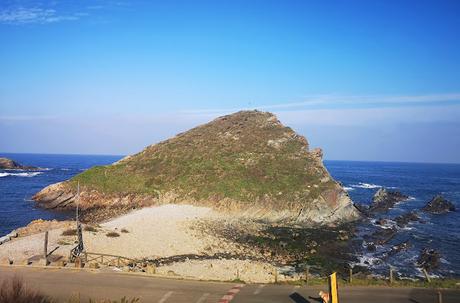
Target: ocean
{"points": [[361, 179]]}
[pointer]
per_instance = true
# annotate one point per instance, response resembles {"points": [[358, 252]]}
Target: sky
{"points": [[363, 80]]}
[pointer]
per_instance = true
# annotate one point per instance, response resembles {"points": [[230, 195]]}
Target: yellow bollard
{"points": [[333, 288]]}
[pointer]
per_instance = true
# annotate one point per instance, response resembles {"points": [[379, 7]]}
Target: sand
{"points": [[154, 232]]}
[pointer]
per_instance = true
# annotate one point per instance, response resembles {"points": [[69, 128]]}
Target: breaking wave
{"points": [[30, 174], [366, 185], [348, 188]]}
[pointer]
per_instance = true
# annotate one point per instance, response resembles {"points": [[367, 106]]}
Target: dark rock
{"points": [[382, 235], [399, 247], [439, 205], [6, 163], [381, 221], [371, 246], [383, 200], [363, 209], [403, 220], [429, 259]]}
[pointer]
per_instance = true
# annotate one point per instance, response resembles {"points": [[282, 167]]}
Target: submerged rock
{"points": [[429, 259], [403, 220], [399, 247], [384, 199], [382, 235], [439, 205], [6, 163]]}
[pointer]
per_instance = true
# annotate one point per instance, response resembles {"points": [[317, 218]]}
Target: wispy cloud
{"points": [[23, 15], [25, 118], [334, 101]]}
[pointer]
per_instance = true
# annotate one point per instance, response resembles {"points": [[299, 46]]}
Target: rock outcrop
{"points": [[438, 205], [247, 164], [384, 200], [429, 259], [6, 163]]}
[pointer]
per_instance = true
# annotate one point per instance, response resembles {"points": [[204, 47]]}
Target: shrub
{"points": [[90, 228], [13, 290], [124, 230], [112, 234], [69, 232]]}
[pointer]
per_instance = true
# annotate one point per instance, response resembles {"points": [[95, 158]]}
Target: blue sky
{"points": [[364, 80]]}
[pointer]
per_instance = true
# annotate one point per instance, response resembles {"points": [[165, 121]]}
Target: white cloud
{"points": [[346, 101]]}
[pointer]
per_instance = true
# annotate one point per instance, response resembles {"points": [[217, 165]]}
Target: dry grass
{"points": [[14, 290], [69, 232], [112, 234]]}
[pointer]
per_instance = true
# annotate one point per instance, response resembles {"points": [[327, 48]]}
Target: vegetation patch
{"points": [[90, 228], [112, 234], [69, 232]]}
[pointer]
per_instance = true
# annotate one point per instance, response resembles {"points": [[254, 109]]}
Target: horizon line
{"points": [[124, 155]]}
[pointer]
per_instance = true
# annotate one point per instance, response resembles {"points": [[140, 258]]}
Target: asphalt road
{"points": [[63, 283]]}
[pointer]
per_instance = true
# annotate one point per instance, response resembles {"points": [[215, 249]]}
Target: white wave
{"points": [[366, 185], [65, 169], [30, 174], [367, 260], [348, 188]]}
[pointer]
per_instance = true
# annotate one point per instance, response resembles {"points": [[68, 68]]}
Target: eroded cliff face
{"points": [[246, 164]]}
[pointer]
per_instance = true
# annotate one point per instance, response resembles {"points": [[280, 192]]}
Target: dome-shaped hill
{"points": [[246, 163]]}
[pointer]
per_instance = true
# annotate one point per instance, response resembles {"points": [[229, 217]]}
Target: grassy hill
{"points": [[235, 162]]}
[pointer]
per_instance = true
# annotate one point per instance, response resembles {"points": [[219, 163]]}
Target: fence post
{"points": [[307, 274], [276, 275], [351, 275], [391, 275], [426, 275], [439, 296], [45, 248]]}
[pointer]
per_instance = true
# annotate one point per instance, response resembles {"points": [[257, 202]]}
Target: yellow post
{"points": [[333, 289]]}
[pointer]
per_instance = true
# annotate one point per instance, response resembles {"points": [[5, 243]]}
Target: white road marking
{"points": [[259, 289], [202, 298], [166, 296]]}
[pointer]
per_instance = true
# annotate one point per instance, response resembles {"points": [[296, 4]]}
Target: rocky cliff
{"points": [[247, 164]]}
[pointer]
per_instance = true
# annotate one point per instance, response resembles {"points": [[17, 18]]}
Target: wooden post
{"points": [[45, 249], [391, 275], [439, 296], [307, 274], [118, 262], [237, 273], [351, 275], [426, 275], [276, 275]]}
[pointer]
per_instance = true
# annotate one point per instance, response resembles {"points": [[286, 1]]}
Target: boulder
{"points": [[438, 205], [384, 200]]}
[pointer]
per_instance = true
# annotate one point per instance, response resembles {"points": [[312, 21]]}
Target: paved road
{"points": [[61, 283]]}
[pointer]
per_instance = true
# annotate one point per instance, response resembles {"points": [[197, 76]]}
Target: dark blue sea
{"points": [[361, 179]]}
